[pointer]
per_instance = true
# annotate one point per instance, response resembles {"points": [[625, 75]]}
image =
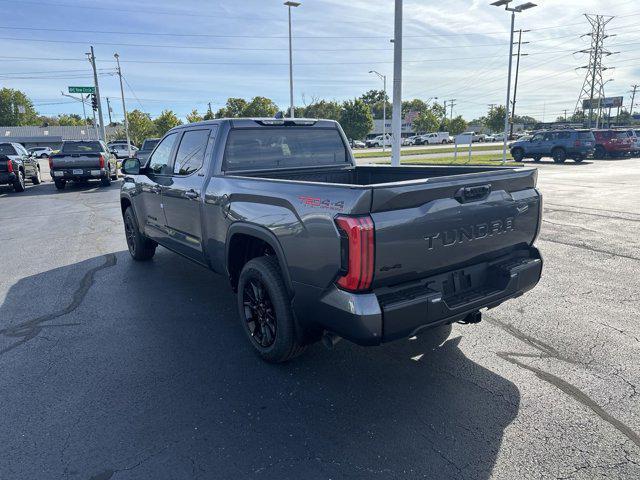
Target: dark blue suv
{"points": [[559, 144]]}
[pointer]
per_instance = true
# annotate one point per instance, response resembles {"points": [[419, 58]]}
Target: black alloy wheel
{"points": [[130, 234], [259, 313]]}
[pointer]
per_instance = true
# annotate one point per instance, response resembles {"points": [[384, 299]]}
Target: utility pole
{"points": [[452, 104], [109, 111], [593, 83], [84, 110], [565, 114], [633, 97], [92, 59], [124, 108], [396, 120], [515, 83]]}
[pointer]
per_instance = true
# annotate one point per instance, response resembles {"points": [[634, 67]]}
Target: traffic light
{"points": [[94, 101]]}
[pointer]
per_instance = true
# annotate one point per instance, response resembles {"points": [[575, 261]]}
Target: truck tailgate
{"points": [[443, 223], [76, 160]]}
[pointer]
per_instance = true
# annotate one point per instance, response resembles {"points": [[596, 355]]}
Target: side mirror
{"points": [[131, 166]]}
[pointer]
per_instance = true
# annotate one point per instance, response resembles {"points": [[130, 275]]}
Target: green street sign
{"points": [[82, 89]]}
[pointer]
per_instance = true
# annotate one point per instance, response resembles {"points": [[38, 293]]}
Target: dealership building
{"points": [[31, 136]]}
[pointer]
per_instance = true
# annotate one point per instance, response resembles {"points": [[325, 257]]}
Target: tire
{"points": [[517, 154], [106, 181], [37, 179], [265, 311], [537, 158], [444, 142], [44, 155], [599, 152], [559, 155], [18, 184], [60, 184], [140, 247]]}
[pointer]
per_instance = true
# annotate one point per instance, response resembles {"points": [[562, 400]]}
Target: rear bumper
{"points": [[7, 178], [79, 173], [399, 312]]}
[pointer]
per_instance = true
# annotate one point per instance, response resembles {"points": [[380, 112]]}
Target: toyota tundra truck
{"points": [[320, 248], [83, 160]]}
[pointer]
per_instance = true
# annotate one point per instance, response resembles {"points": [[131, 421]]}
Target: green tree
{"points": [[494, 120], [194, 116], [415, 105], [456, 125], [234, 108], [70, 120], [260, 107], [165, 122], [323, 109], [140, 126], [356, 119], [427, 121], [11, 103], [374, 99]]}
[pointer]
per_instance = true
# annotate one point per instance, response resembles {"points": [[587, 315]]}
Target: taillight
{"points": [[101, 161], [358, 252], [10, 165]]}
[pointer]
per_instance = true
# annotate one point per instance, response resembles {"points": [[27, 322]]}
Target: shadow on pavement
{"points": [[141, 369]]}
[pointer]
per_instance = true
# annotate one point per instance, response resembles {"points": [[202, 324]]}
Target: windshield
{"points": [[81, 147], [280, 147]]}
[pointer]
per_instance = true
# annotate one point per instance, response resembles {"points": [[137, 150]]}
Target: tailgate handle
{"points": [[471, 194]]}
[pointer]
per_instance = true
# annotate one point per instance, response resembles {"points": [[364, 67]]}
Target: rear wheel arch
{"points": [[246, 241]]}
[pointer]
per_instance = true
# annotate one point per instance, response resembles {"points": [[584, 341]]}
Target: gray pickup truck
{"points": [[83, 160], [317, 247]]}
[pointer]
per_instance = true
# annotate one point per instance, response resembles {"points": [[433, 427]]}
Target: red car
{"points": [[612, 143]]}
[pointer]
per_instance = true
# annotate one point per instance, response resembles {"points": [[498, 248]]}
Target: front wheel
{"points": [[140, 247], [265, 311], [36, 179], [517, 154]]}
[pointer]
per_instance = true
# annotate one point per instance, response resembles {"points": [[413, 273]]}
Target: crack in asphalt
{"points": [[591, 249], [30, 329], [571, 390]]}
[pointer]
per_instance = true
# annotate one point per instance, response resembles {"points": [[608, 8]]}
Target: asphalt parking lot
{"points": [[119, 370]]}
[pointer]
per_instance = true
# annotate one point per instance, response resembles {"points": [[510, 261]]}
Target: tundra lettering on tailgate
{"points": [[478, 231]]}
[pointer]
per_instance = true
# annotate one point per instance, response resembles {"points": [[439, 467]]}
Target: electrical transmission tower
{"points": [[593, 86]]}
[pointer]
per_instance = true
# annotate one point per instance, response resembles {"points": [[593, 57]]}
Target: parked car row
{"points": [[576, 144], [17, 165]]}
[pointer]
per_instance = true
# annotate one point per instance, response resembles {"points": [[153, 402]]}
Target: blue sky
{"points": [[181, 55]]}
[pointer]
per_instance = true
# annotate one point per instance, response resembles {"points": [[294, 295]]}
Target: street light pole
{"points": [[396, 116], [291, 109], [519, 8], [384, 108]]}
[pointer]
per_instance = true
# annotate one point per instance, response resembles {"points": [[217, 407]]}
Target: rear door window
{"points": [[190, 155], [283, 147]]}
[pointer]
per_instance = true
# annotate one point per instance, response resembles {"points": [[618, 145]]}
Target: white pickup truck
{"points": [[434, 138]]}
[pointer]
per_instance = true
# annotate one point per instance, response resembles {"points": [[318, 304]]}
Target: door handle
{"points": [[191, 194]]}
